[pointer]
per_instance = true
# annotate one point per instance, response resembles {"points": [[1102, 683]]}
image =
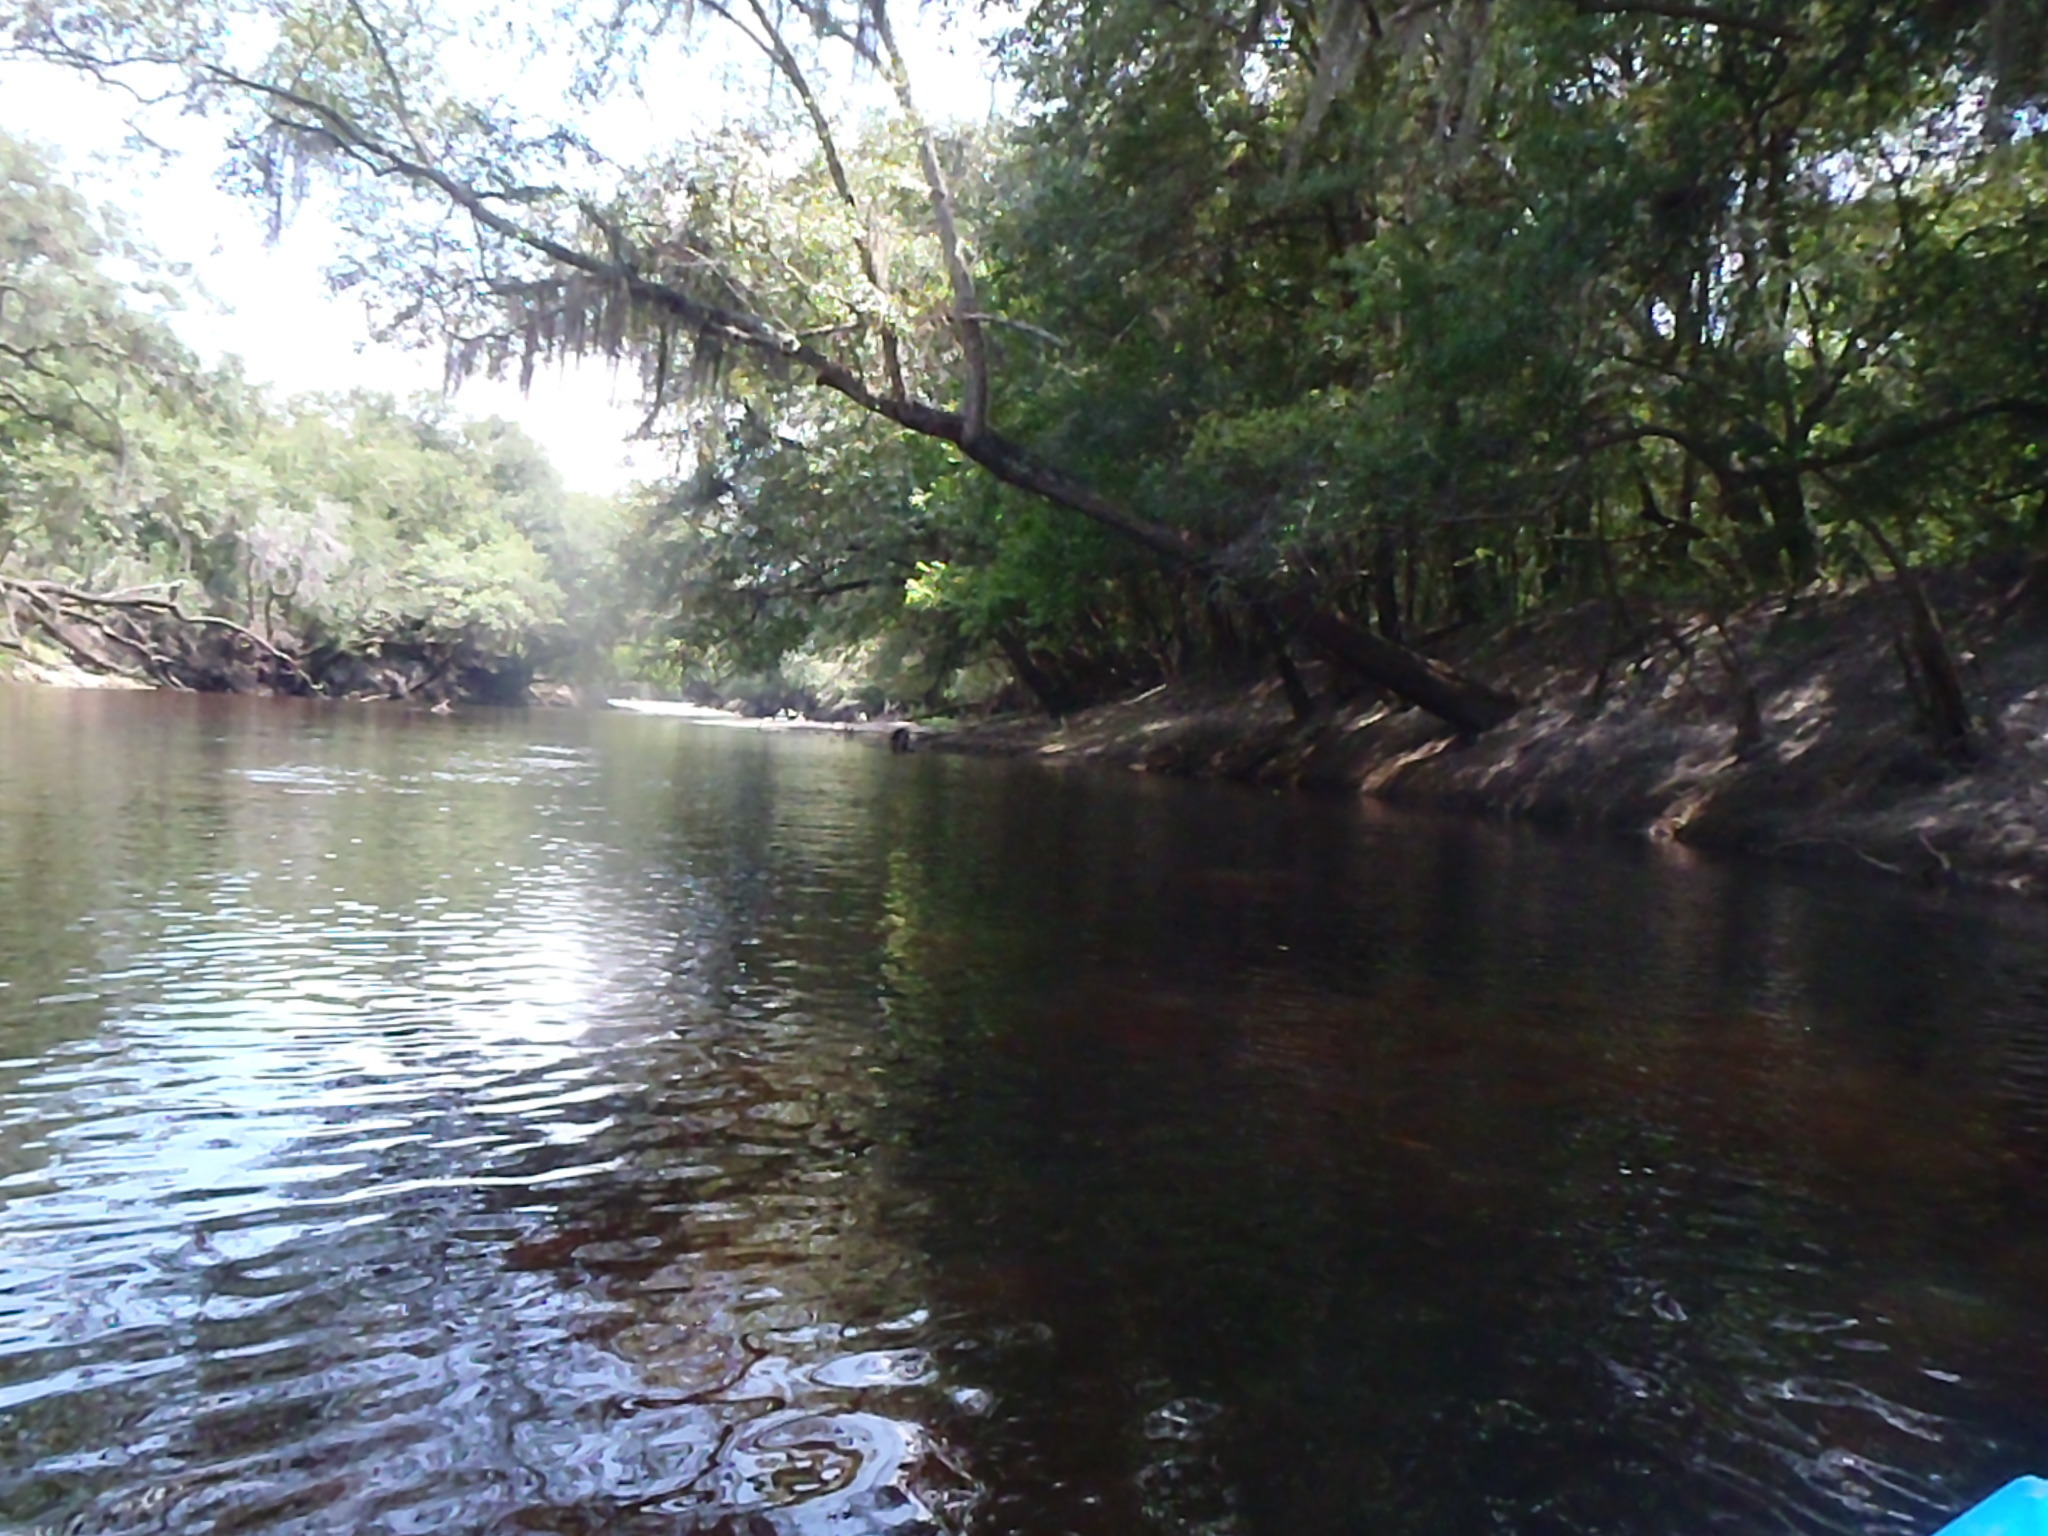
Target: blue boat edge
{"points": [[2020, 1508]]}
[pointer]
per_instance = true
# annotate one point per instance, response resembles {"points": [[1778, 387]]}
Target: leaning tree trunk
{"points": [[1930, 665], [1054, 697], [620, 272], [1468, 706]]}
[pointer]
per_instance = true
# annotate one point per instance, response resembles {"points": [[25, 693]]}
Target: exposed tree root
{"points": [[144, 633]]}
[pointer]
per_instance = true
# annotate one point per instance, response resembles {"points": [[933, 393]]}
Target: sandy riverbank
{"points": [[1647, 744], [42, 672]]}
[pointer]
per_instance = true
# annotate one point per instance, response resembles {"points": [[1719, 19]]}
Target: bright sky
{"points": [[270, 304]]}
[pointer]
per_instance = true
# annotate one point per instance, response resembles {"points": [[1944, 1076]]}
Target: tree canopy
{"points": [[335, 527], [1251, 326]]}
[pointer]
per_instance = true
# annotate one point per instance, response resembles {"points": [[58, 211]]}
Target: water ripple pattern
{"points": [[578, 1124], [390, 1161]]}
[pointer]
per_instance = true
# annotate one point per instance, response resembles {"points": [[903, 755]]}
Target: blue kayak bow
{"points": [[2020, 1508]]}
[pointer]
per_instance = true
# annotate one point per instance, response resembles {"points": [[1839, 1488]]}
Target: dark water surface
{"points": [[576, 1124]]}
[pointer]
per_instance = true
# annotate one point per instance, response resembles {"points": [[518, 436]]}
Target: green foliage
{"points": [[1521, 306], [1424, 316], [348, 525], [797, 533], [79, 350], [1533, 283]]}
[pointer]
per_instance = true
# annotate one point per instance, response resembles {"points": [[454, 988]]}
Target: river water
{"points": [[579, 1123]]}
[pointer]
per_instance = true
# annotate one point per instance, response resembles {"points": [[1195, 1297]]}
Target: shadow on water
{"points": [[586, 1123]]}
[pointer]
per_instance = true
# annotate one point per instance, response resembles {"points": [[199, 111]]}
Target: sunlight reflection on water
{"points": [[578, 1124], [328, 1201]]}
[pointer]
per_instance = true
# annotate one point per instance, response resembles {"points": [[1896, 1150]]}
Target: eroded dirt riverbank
{"points": [[1839, 767]]}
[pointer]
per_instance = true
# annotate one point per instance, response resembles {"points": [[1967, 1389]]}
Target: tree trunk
{"points": [[1929, 662], [1299, 699], [1468, 706], [1051, 695], [1948, 707], [1785, 498], [1386, 589]]}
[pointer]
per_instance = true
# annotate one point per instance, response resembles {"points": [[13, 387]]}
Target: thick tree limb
{"points": [[1724, 457], [966, 306], [1469, 706]]}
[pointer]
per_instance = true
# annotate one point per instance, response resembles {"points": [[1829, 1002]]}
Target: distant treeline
{"points": [[171, 521]]}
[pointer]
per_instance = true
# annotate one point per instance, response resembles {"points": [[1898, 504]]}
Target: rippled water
{"points": [[578, 1124]]}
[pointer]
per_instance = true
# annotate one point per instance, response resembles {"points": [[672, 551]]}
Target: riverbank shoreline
{"points": [[40, 672], [904, 735], [1789, 731]]}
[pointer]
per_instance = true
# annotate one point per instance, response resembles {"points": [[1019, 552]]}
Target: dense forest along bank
{"points": [[1797, 728], [580, 1121], [1793, 729]]}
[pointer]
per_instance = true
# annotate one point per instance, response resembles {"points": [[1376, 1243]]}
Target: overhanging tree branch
{"points": [[1722, 457], [966, 307], [1468, 706], [770, 41]]}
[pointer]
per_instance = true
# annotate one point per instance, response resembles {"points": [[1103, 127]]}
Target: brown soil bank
{"points": [[1791, 730]]}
